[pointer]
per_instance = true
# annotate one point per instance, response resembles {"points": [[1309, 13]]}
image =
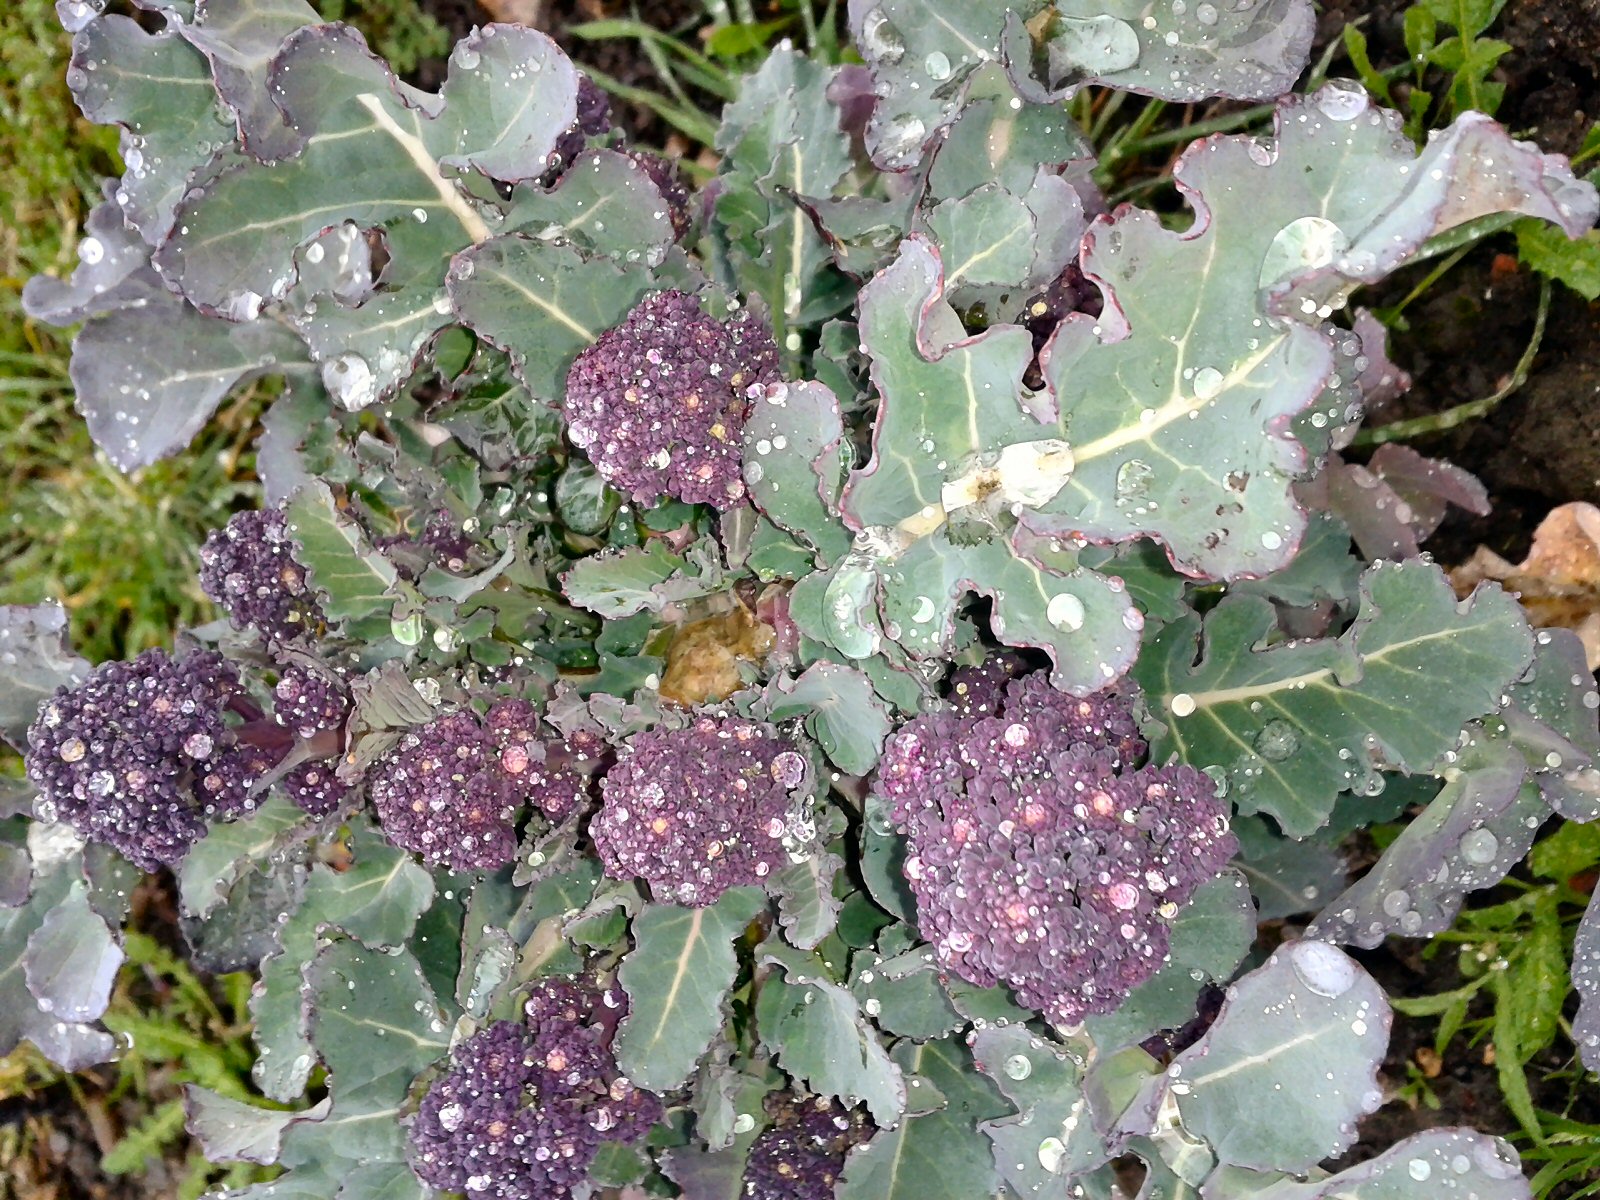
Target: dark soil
{"points": [[1541, 447]]}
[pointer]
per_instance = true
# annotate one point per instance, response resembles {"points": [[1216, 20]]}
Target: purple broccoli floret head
{"points": [[801, 1154], [248, 567], [451, 789], [659, 402], [593, 120], [525, 1105], [696, 811], [140, 753], [1039, 856], [306, 702]]}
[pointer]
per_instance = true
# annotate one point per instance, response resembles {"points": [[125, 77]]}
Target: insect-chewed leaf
{"points": [[938, 1153], [1052, 1137], [1468, 838], [816, 1029], [1294, 724], [240, 38], [996, 142], [1278, 1082], [376, 1025], [378, 899], [34, 661], [1210, 937], [1424, 1166], [677, 978], [955, 456], [1179, 398], [1000, 246]]}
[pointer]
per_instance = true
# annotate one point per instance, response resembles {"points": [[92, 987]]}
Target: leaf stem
{"points": [[1473, 409]]}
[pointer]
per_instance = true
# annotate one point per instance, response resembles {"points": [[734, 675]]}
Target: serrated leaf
{"points": [[781, 141], [1179, 399], [240, 38], [72, 960], [1186, 54], [939, 1153], [1052, 1138], [815, 1028], [377, 899], [1278, 1081], [1294, 724], [231, 1130], [228, 850], [1534, 987], [34, 661], [632, 579], [1210, 937], [70, 1044], [543, 303], [677, 978], [604, 203], [1468, 838], [795, 458], [1459, 1161], [1572, 261], [159, 89], [354, 582], [841, 711]]}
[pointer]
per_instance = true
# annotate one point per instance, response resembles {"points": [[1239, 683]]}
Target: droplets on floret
{"points": [[696, 811], [801, 1154], [248, 567], [659, 401], [140, 753], [1039, 855], [450, 790]]}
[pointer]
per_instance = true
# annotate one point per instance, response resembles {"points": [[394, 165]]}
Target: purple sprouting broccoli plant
{"points": [[802, 687], [1040, 856], [451, 789], [659, 401], [249, 568], [693, 812], [524, 1106], [140, 753]]}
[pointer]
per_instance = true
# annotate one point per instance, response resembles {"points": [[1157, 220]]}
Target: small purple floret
{"points": [[801, 1154], [696, 811], [139, 754], [451, 789], [1039, 856], [525, 1105], [659, 402], [248, 567]]}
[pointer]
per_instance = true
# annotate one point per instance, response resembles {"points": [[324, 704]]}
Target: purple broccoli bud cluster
{"points": [[593, 120], [525, 1105], [140, 753], [696, 811], [306, 701], [315, 788], [450, 790], [664, 174], [801, 1154], [248, 567], [1039, 856], [659, 402]]}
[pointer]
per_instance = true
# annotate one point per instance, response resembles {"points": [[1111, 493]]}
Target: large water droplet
{"points": [[1302, 246], [1133, 479], [1322, 968], [1341, 100], [1095, 45], [75, 14], [1065, 612], [1051, 1154], [880, 39], [1019, 1066], [91, 251], [1277, 741], [1480, 846], [1208, 382], [937, 65], [903, 135], [350, 381]]}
